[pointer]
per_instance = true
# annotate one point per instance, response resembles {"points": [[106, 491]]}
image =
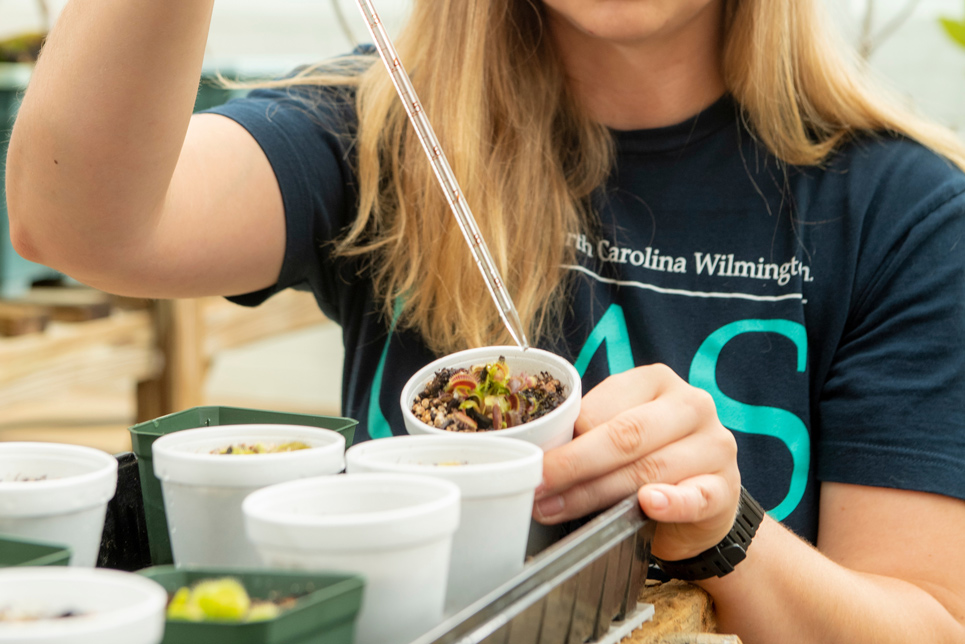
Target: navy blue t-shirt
{"points": [[823, 308]]}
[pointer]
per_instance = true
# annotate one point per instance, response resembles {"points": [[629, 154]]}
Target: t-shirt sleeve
{"points": [[305, 134], [893, 406]]}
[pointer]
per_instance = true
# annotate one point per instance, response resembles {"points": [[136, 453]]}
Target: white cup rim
{"points": [[521, 471], [175, 462], [425, 520], [67, 493], [557, 365], [150, 607]]}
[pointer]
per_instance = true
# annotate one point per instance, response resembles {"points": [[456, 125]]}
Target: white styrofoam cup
{"points": [[111, 607], [67, 505], [497, 478], [203, 491], [394, 529]]}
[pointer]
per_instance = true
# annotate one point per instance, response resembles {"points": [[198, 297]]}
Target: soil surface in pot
{"points": [[10, 614], [262, 448], [20, 478], [486, 397]]}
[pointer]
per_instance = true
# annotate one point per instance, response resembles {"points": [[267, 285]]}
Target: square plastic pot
{"points": [[325, 612], [144, 434], [203, 489], [16, 551]]}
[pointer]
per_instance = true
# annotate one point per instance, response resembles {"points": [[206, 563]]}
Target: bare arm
{"points": [[111, 180], [889, 570], [890, 565]]}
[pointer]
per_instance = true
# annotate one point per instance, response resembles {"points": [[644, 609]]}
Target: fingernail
{"points": [[550, 506], [658, 500], [540, 489]]}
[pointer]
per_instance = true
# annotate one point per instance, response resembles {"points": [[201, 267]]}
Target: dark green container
{"points": [[324, 614], [144, 434], [16, 273], [17, 551]]}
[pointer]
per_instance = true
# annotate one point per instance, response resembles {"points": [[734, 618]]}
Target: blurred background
{"points": [[286, 32], [902, 39], [915, 46]]}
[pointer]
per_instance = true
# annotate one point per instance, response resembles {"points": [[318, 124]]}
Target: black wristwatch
{"points": [[721, 559]]}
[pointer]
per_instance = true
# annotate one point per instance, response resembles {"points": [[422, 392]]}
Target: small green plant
{"points": [[954, 28], [25, 47], [222, 600]]}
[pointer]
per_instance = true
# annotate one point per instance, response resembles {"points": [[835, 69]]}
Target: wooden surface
{"points": [[80, 366], [191, 332], [121, 346], [70, 358], [683, 614]]}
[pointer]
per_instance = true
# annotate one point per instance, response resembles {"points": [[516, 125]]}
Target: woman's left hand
{"points": [[648, 431]]}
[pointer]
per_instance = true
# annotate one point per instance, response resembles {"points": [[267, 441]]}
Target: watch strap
{"points": [[722, 558]]}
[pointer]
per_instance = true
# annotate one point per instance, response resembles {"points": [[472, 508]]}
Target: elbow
{"points": [[19, 225], [29, 223], [23, 243], [23, 238]]}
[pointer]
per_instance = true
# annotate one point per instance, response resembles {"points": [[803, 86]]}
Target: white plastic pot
{"points": [[203, 491], [549, 431], [67, 506], [394, 529], [111, 607], [497, 478]]}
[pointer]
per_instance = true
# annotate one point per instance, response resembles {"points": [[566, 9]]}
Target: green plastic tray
{"points": [[325, 614], [17, 551], [144, 434]]}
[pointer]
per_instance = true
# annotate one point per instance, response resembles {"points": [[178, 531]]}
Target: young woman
{"points": [[736, 242]]}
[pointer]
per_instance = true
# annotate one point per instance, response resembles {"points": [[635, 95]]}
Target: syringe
{"points": [[443, 172]]}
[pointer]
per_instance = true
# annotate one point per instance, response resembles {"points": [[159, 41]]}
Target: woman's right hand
{"points": [[648, 431]]}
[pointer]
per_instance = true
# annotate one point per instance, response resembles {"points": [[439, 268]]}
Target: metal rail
{"points": [[572, 592]]}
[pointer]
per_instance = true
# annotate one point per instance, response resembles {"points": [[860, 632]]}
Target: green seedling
{"points": [[955, 28], [221, 600]]}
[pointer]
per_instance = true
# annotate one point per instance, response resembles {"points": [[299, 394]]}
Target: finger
{"points": [[700, 499], [622, 440], [692, 516], [620, 393], [671, 464]]}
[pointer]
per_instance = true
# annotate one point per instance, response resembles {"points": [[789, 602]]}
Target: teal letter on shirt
{"points": [[611, 328], [754, 419], [378, 425]]}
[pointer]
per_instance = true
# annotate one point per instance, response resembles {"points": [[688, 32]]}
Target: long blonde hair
{"points": [[528, 158]]}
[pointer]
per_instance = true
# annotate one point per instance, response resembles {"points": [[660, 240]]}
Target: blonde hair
{"points": [[528, 157], [803, 92]]}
